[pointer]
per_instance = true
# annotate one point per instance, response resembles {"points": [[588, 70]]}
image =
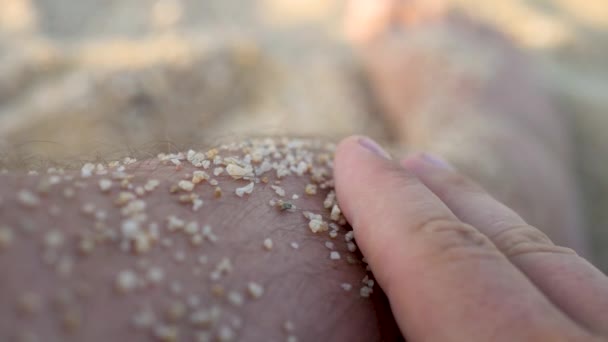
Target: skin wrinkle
{"points": [[535, 241], [466, 281], [524, 239], [457, 186], [541, 266]]}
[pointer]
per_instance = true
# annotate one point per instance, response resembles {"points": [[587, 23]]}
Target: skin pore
{"points": [[140, 250]]}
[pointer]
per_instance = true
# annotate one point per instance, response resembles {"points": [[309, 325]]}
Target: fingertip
{"points": [[345, 160], [362, 170], [356, 159], [361, 144]]}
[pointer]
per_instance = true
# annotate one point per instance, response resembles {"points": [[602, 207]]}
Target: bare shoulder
{"points": [[245, 240]]}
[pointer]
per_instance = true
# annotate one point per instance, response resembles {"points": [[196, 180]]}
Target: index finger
{"points": [[436, 270]]}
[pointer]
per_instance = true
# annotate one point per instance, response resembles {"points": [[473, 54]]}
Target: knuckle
{"points": [[451, 240], [525, 239]]}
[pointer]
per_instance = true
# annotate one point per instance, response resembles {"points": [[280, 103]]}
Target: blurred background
{"points": [[109, 77]]}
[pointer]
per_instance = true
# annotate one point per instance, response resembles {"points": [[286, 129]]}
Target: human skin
{"points": [[458, 265], [69, 289], [430, 235], [79, 299], [457, 88]]}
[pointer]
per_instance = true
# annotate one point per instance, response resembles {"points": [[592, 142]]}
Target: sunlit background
{"points": [[104, 77]]}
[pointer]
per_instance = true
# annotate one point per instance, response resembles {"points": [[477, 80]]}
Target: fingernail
{"points": [[373, 147], [437, 161]]}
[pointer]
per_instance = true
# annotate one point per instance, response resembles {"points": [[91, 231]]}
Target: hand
{"points": [[456, 264]]}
